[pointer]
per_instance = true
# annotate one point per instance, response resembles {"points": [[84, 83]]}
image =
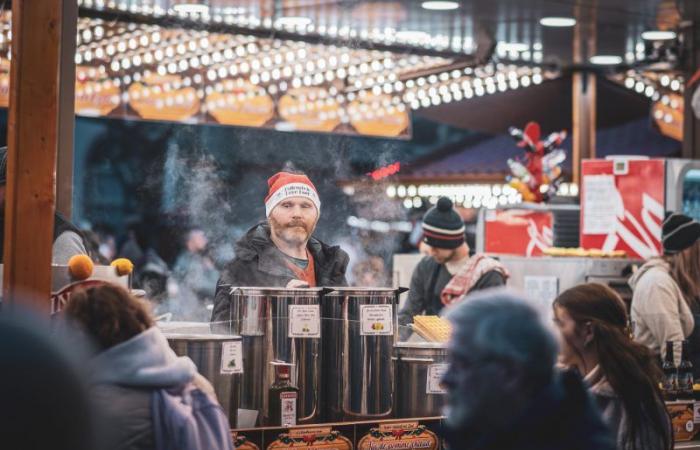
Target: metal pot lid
{"points": [[421, 345], [364, 291], [276, 291], [200, 336]]}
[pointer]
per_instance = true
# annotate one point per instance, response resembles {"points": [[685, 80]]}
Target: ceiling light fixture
{"points": [[439, 5], [191, 8], [605, 60], [557, 21], [658, 35]]}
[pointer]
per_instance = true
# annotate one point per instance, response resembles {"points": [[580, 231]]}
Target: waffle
{"points": [[432, 328]]}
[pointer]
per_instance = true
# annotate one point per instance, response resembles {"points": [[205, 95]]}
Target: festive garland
{"points": [[397, 434]]}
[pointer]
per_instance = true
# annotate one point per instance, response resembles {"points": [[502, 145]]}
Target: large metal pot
{"points": [[359, 331], [418, 367], [206, 349], [268, 321]]}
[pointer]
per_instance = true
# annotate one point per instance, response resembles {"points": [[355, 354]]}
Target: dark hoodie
{"points": [[561, 417], [259, 263]]}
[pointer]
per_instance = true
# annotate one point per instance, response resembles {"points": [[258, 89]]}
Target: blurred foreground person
{"points": [[151, 398], [43, 401], [502, 388], [621, 374]]}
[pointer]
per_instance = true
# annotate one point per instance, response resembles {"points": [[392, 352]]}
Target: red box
{"points": [[622, 205]]}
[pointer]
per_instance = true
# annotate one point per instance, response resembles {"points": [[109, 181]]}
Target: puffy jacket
{"points": [[659, 310], [123, 379], [259, 263]]}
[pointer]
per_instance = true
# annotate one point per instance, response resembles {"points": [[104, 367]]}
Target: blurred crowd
{"points": [[185, 287]]}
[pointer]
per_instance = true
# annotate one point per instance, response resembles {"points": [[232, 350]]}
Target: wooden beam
{"points": [[32, 147], [583, 90], [66, 117], [691, 63]]}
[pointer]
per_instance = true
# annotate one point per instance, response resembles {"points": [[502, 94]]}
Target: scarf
{"points": [[470, 273]]}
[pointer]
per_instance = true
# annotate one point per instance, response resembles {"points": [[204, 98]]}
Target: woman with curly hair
{"points": [[138, 382]]}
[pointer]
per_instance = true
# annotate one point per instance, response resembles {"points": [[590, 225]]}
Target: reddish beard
{"points": [[280, 230]]}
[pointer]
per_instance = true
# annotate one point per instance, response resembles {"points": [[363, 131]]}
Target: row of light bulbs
{"points": [[654, 88], [299, 25], [270, 73], [477, 196]]}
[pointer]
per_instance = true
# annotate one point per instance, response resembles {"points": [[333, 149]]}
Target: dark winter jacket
{"points": [[561, 417], [259, 263], [428, 280]]}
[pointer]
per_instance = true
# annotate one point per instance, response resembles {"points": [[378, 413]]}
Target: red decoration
{"points": [[540, 165], [386, 171]]}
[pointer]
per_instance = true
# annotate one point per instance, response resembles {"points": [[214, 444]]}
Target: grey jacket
{"points": [[123, 379], [615, 416]]}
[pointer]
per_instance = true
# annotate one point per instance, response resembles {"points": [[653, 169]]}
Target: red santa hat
{"points": [[284, 185]]}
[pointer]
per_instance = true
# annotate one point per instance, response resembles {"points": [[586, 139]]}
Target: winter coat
{"points": [[647, 437], [259, 263], [659, 310], [560, 417], [123, 379], [427, 282]]}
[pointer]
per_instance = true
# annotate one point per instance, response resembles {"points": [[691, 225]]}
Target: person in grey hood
{"points": [[666, 292], [132, 363]]}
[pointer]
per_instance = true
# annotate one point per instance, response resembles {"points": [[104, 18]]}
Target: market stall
{"points": [[326, 367]]}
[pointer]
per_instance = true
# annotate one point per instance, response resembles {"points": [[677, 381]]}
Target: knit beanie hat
{"points": [[679, 232], [442, 226], [283, 185]]}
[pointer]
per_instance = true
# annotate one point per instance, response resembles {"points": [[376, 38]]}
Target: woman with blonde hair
{"points": [[666, 292]]}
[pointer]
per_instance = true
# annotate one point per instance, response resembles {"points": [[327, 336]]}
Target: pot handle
{"points": [[326, 290], [401, 290]]}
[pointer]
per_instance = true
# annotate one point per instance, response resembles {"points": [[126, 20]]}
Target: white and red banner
{"points": [[622, 206], [518, 232]]}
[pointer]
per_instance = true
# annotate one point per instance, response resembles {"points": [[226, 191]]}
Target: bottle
{"points": [[670, 381], [283, 397], [685, 375]]}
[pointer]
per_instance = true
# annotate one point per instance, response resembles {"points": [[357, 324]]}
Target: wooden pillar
{"points": [[66, 117], [691, 63], [32, 146], [583, 89]]}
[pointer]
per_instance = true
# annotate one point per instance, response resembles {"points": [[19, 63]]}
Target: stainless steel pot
{"points": [[265, 318], [195, 341], [359, 331], [418, 367]]}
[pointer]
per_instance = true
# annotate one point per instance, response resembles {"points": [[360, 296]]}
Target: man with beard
{"points": [[68, 240], [448, 272], [283, 252], [503, 391]]}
